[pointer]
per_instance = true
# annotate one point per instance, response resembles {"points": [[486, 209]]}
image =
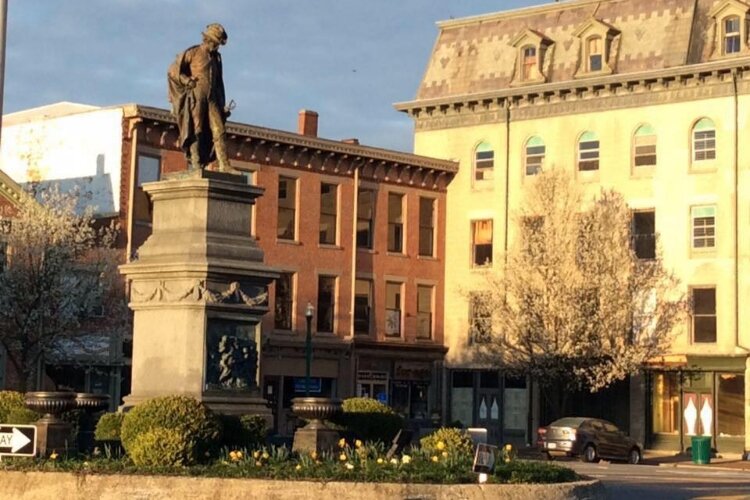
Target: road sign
{"points": [[18, 440], [484, 458]]}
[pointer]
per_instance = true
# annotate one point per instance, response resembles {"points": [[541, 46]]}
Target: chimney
{"points": [[307, 123]]}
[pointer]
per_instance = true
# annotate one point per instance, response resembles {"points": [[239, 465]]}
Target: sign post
{"points": [[484, 460], [17, 440]]}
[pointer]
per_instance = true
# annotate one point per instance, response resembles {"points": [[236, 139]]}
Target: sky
{"points": [[349, 60]]}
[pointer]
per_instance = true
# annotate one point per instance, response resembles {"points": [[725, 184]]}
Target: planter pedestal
{"points": [[52, 433], [315, 436]]}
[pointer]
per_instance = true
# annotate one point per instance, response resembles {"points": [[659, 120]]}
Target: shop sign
{"points": [[404, 370]]}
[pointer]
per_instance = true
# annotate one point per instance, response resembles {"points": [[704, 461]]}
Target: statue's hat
{"points": [[216, 33]]}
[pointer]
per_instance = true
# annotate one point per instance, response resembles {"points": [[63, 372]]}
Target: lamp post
{"points": [[308, 347]]}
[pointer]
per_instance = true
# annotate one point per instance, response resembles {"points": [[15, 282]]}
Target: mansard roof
{"points": [[475, 55]]}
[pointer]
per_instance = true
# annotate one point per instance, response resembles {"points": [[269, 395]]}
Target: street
{"points": [[645, 482]]}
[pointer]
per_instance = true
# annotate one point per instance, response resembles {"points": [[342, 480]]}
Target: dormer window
{"points": [[728, 32], [533, 57], [599, 45], [594, 53], [732, 35]]}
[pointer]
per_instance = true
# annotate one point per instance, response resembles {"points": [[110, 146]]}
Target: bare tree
{"points": [[575, 307], [59, 277]]}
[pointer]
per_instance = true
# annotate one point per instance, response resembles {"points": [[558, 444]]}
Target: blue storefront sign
{"points": [[316, 384]]}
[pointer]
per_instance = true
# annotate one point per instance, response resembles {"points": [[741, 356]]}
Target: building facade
{"points": [[357, 232], [648, 98]]}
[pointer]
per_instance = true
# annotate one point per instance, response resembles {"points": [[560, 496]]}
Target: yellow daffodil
{"points": [[239, 455], [394, 461], [265, 455], [313, 454], [298, 467], [342, 443], [358, 443], [379, 460], [406, 459], [256, 455], [435, 458], [440, 445], [508, 447], [342, 457], [445, 454], [258, 464], [507, 459], [349, 466], [53, 455]]}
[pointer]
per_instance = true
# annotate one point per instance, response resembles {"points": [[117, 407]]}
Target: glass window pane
{"points": [[149, 169], [730, 411], [326, 303], [666, 403]]}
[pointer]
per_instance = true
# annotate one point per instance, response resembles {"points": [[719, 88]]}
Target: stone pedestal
{"points": [[315, 436], [198, 291], [319, 440]]}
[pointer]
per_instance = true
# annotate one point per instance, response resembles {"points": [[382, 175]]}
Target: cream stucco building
{"points": [[651, 98]]}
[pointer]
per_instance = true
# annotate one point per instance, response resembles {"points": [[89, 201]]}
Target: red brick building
{"points": [[358, 234]]}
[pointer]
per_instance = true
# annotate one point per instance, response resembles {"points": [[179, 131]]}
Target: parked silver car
{"points": [[588, 438]]}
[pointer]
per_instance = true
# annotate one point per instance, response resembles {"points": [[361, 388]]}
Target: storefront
{"points": [[490, 400], [685, 403]]}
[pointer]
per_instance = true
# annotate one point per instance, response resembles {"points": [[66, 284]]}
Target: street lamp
{"points": [[309, 310]]}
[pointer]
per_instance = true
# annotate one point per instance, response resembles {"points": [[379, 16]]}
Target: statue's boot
{"points": [[220, 148], [195, 157]]}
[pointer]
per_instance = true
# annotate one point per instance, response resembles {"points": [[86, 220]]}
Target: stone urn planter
{"points": [[91, 402], [315, 436], [50, 404], [316, 410]]}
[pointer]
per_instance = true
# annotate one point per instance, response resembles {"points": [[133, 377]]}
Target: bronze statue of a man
{"points": [[196, 91]]}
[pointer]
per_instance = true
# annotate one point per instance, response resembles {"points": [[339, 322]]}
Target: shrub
{"points": [[108, 427], [8, 401], [21, 416], [245, 431], [160, 447], [193, 421], [448, 439], [520, 471], [369, 420]]}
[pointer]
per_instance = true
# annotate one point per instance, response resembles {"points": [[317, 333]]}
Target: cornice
{"points": [[681, 83], [367, 153]]}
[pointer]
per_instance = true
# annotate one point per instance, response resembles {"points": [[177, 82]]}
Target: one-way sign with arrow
{"points": [[18, 440]]}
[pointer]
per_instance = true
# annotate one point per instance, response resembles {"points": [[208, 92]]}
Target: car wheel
{"points": [[589, 454], [634, 457]]}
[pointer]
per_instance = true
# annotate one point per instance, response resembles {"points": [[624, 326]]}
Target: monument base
{"points": [[318, 440], [53, 436]]}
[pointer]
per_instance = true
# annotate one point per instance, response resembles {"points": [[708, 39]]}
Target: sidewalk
{"points": [[729, 461]]}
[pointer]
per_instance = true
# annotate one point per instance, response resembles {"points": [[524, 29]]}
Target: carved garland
{"points": [[200, 293]]}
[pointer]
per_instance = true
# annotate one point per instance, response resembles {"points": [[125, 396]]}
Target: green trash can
{"points": [[701, 449]]}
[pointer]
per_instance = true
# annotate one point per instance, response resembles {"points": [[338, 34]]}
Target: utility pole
{"points": [[3, 28]]}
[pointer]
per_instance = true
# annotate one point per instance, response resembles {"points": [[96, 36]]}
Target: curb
{"points": [[703, 467]]}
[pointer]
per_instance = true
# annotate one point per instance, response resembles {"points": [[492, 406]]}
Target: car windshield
{"points": [[568, 422]]}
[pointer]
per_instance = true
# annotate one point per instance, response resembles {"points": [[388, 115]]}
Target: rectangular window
{"points": [[480, 319], [481, 242], [595, 54], [588, 155], [704, 227], [644, 154], [284, 302], [426, 227], [362, 306], [665, 403], [395, 222], [365, 218], [732, 35], [534, 159], [424, 311], [326, 303], [328, 213], [149, 169], [529, 62], [704, 144], [393, 293], [483, 165], [730, 409], [644, 234], [287, 209], [704, 314]]}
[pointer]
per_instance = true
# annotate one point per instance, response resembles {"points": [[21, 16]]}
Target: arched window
{"points": [[704, 140], [644, 146], [588, 152], [594, 53], [535, 151], [528, 62], [731, 35], [484, 161]]}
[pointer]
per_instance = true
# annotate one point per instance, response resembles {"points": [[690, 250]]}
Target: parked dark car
{"points": [[588, 438]]}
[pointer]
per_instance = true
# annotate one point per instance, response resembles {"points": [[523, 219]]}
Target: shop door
{"points": [[489, 403], [697, 414]]}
